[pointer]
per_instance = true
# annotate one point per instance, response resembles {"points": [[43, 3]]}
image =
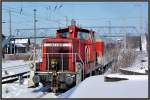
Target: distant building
{"points": [[17, 46], [20, 45]]}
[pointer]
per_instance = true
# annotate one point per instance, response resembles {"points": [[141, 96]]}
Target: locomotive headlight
{"points": [[53, 66], [70, 31], [53, 63]]}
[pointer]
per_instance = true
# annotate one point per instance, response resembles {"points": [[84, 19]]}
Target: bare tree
{"points": [[125, 59]]}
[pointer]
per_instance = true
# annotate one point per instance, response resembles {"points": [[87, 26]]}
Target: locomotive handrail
{"points": [[82, 64], [61, 58]]}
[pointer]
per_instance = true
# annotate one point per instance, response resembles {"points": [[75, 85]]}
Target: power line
{"points": [[39, 17], [86, 19]]}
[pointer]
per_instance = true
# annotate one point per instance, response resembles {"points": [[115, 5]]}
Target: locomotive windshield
{"points": [[84, 35], [65, 34]]}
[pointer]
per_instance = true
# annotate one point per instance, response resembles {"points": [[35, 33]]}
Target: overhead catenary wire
{"points": [[41, 18], [44, 20], [86, 19]]}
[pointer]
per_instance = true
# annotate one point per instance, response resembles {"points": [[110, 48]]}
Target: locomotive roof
{"points": [[79, 28]]}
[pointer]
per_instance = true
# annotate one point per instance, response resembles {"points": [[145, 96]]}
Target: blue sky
{"points": [[85, 13]]}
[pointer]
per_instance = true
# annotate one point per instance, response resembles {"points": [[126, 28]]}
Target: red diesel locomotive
{"points": [[68, 58]]}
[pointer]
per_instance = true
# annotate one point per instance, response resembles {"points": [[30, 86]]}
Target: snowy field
{"points": [[14, 67], [95, 87], [92, 87], [15, 90], [11, 67], [140, 65]]}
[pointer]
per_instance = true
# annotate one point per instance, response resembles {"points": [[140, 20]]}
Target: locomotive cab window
{"points": [[63, 33], [83, 35]]}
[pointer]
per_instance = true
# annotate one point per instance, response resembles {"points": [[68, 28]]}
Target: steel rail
{"points": [[15, 75]]}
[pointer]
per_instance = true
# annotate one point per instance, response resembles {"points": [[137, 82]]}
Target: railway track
{"points": [[21, 71], [15, 77]]}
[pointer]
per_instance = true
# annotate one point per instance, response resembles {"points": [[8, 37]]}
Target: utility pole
{"points": [[10, 30], [148, 42], [33, 69], [34, 58]]}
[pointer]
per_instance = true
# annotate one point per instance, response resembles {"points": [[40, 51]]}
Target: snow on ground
{"points": [[92, 87], [15, 90], [10, 63], [109, 71], [14, 67], [95, 87], [50, 95]]}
